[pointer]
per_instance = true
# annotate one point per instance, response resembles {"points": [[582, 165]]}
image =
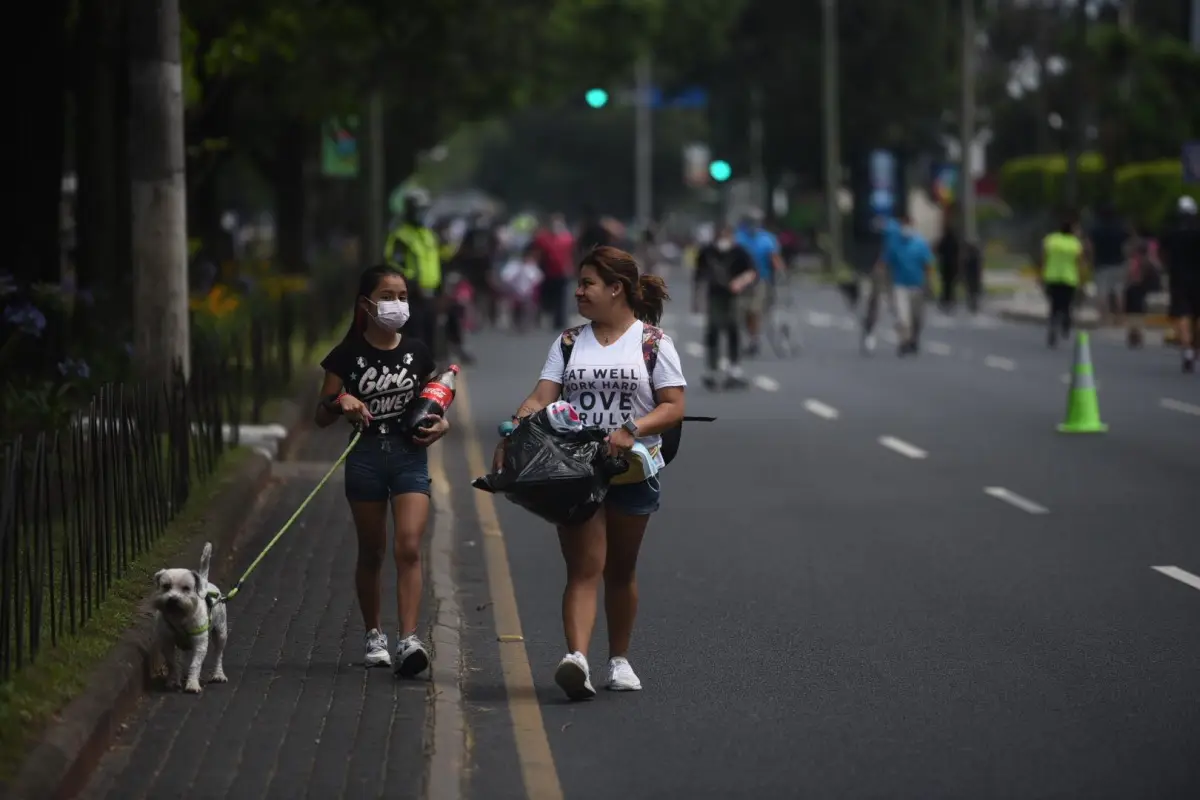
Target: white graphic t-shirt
{"points": [[608, 385]]}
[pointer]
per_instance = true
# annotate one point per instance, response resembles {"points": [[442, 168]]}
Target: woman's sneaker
{"points": [[377, 649], [411, 657], [573, 677], [621, 677]]}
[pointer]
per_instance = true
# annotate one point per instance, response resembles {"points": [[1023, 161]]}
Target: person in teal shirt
{"points": [[764, 251], [908, 262]]}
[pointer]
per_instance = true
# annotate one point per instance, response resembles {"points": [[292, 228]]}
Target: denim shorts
{"points": [[379, 468], [635, 499]]}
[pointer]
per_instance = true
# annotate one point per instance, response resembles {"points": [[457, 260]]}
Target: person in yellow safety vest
{"points": [[1060, 271], [414, 249]]}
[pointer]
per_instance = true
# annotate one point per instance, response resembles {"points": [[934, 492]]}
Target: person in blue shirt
{"points": [[907, 263], [763, 248]]}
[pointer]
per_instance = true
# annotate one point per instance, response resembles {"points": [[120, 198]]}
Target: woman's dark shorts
{"points": [[635, 499], [380, 467]]}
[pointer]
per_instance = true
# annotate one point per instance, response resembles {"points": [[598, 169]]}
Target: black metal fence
{"points": [[79, 504]]}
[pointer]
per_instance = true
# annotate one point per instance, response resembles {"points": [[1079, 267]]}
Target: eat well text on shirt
{"points": [[603, 395]]}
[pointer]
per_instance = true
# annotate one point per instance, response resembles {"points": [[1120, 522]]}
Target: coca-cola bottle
{"points": [[435, 398]]}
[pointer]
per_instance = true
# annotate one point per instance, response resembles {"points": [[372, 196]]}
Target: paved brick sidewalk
{"points": [[300, 716]]}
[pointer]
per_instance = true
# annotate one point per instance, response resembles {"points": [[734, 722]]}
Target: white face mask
{"points": [[724, 244], [391, 314]]}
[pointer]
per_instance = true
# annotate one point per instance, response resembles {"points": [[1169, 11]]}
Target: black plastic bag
{"points": [[561, 477]]}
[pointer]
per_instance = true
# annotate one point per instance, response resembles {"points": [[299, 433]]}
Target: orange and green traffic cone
{"points": [[1083, 406]]}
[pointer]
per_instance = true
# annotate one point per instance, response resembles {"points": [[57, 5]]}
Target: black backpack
{"points": [[651, 336]]}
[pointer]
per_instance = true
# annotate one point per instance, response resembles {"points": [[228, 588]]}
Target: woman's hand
{"points": [[431, 429], [354, 410], [620, 442]]}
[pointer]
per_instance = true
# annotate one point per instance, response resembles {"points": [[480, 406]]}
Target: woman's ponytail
{"points": [[649, 297]]}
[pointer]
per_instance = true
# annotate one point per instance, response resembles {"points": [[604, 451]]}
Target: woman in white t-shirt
{"points": [[608, 381]]}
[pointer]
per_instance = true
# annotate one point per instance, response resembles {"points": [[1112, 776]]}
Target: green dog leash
{"points": [[295, 515]]}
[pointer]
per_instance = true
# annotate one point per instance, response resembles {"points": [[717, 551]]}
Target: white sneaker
{"points": [[621, 677], [573, 677], [868, 343], [411, 657], [377, 649]]}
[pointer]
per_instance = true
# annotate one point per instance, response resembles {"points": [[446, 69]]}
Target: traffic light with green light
{"points": [[720, 171], [596, 98]]}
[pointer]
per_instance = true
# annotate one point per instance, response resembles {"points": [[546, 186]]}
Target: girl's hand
{"points": [[431, 429], [354, 409], [620, 442]]}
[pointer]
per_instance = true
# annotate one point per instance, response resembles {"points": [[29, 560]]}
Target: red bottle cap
{"points": [[454, 368]]}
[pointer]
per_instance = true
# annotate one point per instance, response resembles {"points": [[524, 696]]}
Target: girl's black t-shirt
{"points": [[387, 381]]}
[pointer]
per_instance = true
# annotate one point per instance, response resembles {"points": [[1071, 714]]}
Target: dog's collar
{"points": [[203, 629]]}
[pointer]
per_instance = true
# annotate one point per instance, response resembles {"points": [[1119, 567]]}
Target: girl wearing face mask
{"points": [[371, 379]]}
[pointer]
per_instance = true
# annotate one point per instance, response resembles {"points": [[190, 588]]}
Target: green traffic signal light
{"points": [[720, 171], [596, 98]]}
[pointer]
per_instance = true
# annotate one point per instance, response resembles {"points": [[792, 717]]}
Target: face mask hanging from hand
{"points": [[391, 314]]}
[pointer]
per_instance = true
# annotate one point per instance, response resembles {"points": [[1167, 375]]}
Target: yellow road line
{"points": [[533, 748]]}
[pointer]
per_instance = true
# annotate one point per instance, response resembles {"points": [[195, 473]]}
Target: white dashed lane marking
{"points": [[1180, 406], [939, 348], [1014, 499], [999, 362], [694, 349], [902, 447], [1181, 575], [820, 409], [766, 383]]}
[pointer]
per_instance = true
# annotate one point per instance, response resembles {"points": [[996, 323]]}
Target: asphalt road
{"points": [[871, 577]]}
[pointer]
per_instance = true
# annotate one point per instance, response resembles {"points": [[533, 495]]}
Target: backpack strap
{"points": [[566, 344], [651, 336]]}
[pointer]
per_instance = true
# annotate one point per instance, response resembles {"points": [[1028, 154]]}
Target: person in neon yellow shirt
{"points": [[1060, 271]]}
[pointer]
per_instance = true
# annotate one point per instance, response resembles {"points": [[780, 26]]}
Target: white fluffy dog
{"points": [[189, 617]]}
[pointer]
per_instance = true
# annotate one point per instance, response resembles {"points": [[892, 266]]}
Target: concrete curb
{"points": [[60, 765]]}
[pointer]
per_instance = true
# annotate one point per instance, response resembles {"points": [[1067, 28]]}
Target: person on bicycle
{"points": [[763, 248]]}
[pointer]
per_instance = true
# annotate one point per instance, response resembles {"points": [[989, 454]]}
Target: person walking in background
{"points": [[521, 277], [1059, 272], [592, 233], [763, 248], [950, 255], [972, 274], [1180, 250], [553, 245], [909, 264], [1109, 243], [723, 271], [1141, 279]]}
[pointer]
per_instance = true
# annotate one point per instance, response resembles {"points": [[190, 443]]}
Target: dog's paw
{"points": [[219, 677], [193, 687], [172, 684]]}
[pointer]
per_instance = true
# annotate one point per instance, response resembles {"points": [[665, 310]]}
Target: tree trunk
{"points": [[158, 190], [98, 266]]}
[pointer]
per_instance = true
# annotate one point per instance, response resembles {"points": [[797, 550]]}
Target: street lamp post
{"points": [[833, 156], [967, 121]]}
